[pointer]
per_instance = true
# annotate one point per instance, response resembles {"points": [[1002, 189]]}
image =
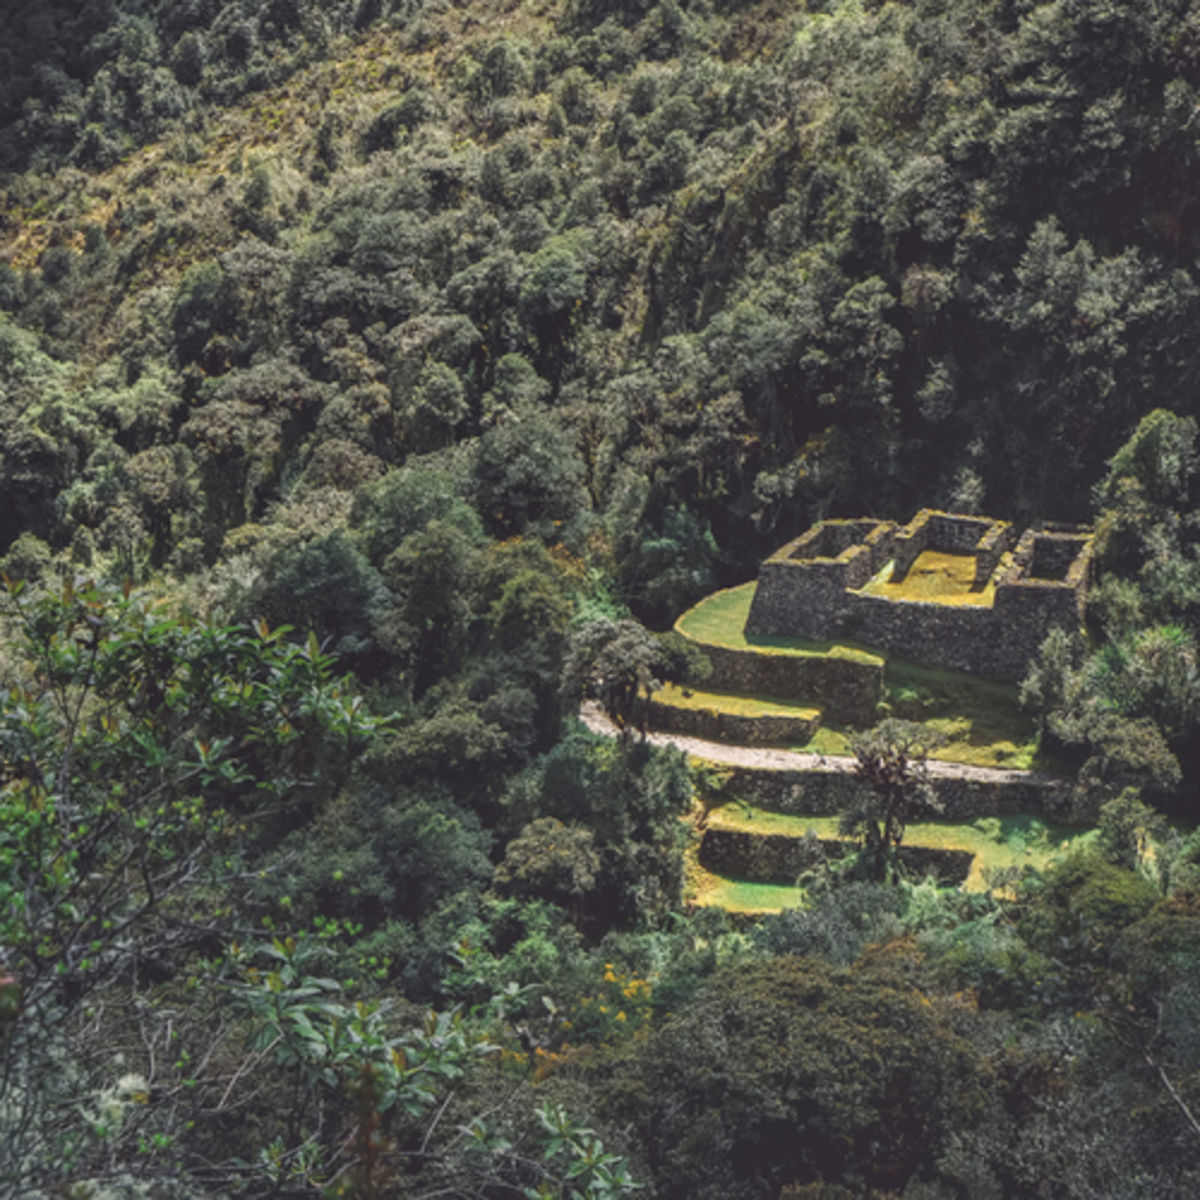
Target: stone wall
{"points": [[1030, 608], [829, 540], [802, 582], [824, 793], [781, 858], [956, 534], [847, 689], [990, 549], [763, 857], [981, 537], [909, 544], [796, 599], [1052, 557], [717, 726], [962, 637]]}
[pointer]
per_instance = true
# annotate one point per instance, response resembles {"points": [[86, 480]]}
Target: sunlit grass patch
{"points": [[720, 620], [744, 895], [997, 843], [935, 577], [969, 742], [830, 740], [729, 702], [980, 719]]}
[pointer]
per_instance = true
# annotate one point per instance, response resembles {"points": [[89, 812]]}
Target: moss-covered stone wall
{"points": [[847, 689], [716, 725], [961, 637], [961, 797]]}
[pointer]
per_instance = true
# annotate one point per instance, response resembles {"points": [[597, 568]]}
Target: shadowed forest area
{"points": [[378, 379]]}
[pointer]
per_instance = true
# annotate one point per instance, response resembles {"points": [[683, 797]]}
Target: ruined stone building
{"points": [[952, 591]]}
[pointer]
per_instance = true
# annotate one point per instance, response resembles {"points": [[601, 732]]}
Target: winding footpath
{"points": [[767, 759]]}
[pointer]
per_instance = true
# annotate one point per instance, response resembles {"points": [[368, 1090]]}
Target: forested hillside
{"points": [[378, 377]]}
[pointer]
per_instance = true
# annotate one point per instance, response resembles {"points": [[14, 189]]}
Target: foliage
{"points": [[616, 663], [630, 796], [303, 1024], [577, 1166], [1128, 706], [480, 341], [891, 761], [787, 1069], [145, 756], [550, 860]]}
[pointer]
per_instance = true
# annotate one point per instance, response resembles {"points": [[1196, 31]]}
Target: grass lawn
{"points": [[996, 842], [743, 895], [936, 577], [975, 743], [981, 719], [720, 620], [728, 702]]}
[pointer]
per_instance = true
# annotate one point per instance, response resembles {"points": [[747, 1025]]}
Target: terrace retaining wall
{"points": [[823, 793], [716, 726], [846, 689], [782, 858]]}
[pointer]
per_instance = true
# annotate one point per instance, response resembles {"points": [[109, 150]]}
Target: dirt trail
{"points": [[767, 759]]}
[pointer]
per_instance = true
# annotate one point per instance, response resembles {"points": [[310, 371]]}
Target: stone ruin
{"points": [[846, 580]]}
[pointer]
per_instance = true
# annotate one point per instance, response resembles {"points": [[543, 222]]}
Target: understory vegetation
{"points": [[378, 379]]}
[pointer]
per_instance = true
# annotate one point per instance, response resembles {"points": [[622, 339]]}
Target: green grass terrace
{"points": [[996, 843], [980, 719]]}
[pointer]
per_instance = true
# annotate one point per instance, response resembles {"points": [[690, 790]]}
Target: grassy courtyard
{"points": [[935, 577]]}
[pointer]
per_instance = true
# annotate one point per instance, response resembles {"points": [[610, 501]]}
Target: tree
{"points": [[618, 663], [630, 796], [206, 307], [790, 1071], [1145, 542], [528, 478], [403, 502], [1127, 827], [326, 586], [1159, 460], [891, 760], [432, 577], [145, 758], [552, 861]]}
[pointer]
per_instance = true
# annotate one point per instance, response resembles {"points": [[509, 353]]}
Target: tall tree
{"points": [[891, 760]]}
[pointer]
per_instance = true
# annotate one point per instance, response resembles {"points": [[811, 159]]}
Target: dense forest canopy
{"points": [[375, 377]]}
